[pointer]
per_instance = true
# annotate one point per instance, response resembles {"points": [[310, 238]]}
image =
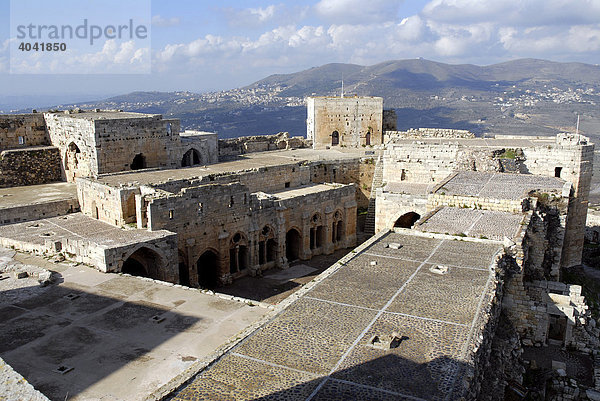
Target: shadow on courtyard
{"points": [[63, 339], [386, 377]]}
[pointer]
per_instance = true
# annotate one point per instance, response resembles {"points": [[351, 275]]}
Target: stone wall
{"points": [[38, 211], [355, 171], [76, 141], [121, 140], [390, 206], [29, 166], [260, 143], [21, 130], [114, 206], [350, 121], [429, 133]]}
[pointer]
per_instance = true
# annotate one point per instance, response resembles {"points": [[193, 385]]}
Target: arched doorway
{"points": [[139, 162], [293, 245], [190, 158], [238, 253], [368, 139], [407, 220], [267, 246], [335, 138], [72, 156], [208, 269], [143, 262]]}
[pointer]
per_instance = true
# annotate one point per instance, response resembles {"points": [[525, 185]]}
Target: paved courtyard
{"points": [[474, 223], [498, 185], [383, 326], [96, 336]]}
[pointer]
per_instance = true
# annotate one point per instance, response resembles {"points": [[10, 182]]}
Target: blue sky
{"points": [[214, 45]]}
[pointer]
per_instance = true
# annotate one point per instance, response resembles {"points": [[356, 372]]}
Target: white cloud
{"points": [[358, 11], [113, 58], [160, 21], [465, 31]]}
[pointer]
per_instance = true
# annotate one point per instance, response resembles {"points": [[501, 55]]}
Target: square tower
{"points": [[344, 121]]}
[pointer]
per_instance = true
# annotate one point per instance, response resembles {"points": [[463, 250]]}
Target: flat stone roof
{"points": [[305, 190], [498, 185], [34, 194], [245, 162], [77, 226], [101, 326], [475, 223], [104, 115], [410, 188], [324, 346]]}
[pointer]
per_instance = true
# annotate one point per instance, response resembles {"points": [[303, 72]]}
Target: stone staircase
{"points": [[377, 181]]}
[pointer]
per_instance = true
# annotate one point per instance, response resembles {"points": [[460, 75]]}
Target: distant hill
{"points": [[525, 96]]}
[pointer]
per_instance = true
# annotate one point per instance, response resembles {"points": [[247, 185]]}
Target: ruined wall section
{"points": [[76, 140], [351, 121], [355, 171], [118, 141], [30, 166], [420, 162], [115, 206], [22, 130], [260, 143], [571, 158], [416, 133]]}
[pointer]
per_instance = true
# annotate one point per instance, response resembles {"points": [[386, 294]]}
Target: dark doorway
{"points": [[184, 273], [143, 262], [208, 270], [139, 162], [368, 139], [190, 158], [135, 268], [557, 326], [293, 245], [557, 171], [271, 250], [407, 220], [335, 138]]}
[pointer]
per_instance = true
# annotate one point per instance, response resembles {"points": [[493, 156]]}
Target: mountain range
{"points": [[525, 96]]}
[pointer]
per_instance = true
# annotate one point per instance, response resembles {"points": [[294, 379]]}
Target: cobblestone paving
{"points": [[490, 224], [335, 342], [498, 185]]}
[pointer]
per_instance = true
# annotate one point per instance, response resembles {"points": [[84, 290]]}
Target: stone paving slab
{"points": [[310, 336], [475, 223], [498, 185], [243, 379], [364, 285], [425, 364], [451, 297], [458, 252]]}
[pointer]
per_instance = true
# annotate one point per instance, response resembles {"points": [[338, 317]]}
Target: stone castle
{"points": [[479, 232]]}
